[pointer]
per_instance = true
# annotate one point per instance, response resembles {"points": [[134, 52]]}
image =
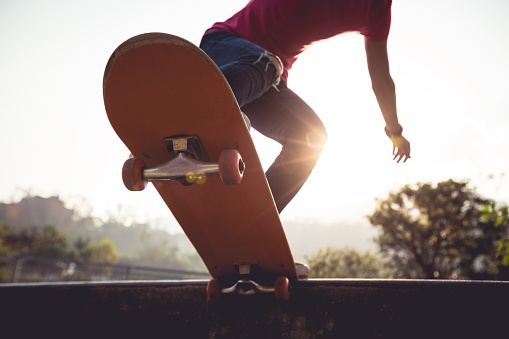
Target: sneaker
{"points": [[302, 270], [246, 121]]}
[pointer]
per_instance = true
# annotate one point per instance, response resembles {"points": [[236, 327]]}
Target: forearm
{"points": [[382, 83], [385, 92]]}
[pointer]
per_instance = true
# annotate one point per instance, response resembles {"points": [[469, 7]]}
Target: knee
{"points": [[317, 138], [302, 150], [314, 138], [301, 157]]}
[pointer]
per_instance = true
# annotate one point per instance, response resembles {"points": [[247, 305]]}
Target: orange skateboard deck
{"points": [[157, 87]]}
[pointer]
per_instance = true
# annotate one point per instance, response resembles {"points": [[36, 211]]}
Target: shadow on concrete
{"points": [[316, 309]]}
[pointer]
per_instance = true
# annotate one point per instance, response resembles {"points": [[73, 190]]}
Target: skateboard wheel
{"points": [[282, 288], [132, 174], [231, 167], [213, 290]]}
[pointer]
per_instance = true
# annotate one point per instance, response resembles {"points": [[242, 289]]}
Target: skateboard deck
{"points": [[158, 86]]}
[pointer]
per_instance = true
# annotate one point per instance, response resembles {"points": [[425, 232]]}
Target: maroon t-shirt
{"points": [[287, 27]]}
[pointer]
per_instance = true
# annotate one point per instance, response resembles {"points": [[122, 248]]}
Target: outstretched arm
{"points": [[385, 92]]}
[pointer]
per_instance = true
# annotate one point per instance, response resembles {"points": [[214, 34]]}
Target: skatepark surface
{"points": [[316, 309]]}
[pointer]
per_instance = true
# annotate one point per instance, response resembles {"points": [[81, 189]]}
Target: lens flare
{"points": [[201, 179], [190, 177]]}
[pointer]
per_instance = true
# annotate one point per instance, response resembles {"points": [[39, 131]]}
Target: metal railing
{"points": [[22, 269]]}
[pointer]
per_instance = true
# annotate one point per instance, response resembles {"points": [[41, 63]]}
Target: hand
{"points": [[400, 148]]}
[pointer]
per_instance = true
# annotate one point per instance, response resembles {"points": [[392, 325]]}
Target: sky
{"points": [[448, 60]]}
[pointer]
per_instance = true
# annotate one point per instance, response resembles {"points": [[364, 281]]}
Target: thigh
{"points": [[283, 116], [249, 69], [224, 48]]}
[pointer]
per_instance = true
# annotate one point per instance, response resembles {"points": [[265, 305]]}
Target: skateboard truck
{"points": [[281, 288], [247, 286], [190, 164], [189, 144]]}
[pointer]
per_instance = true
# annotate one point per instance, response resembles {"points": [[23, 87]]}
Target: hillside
{"points": [[305, 237], [37, 212]]}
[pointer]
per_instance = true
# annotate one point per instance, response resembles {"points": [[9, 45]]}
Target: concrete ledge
{"points": [[317, 309]]}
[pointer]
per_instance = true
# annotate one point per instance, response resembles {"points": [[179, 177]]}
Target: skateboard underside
{"points": [[157, 87]]}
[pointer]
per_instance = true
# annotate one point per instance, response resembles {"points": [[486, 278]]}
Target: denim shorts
{"points": [[250, 69]]}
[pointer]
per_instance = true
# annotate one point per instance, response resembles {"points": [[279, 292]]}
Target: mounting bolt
{"points": [[242, 166]]}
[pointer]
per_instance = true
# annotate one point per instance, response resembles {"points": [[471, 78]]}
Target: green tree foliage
{"points": [[438, 231], [98, 252], [135, 243], [345, 263], [3, 233], [45, 242], [499, 217], [50, 242]]}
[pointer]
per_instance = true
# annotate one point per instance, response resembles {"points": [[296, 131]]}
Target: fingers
{"points": [[401, 156], [400, 149]]}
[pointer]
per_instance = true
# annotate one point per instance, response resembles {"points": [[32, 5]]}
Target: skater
{"points": [[256, 48]]}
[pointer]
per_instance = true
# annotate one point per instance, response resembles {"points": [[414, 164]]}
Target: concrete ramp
{"points": [[316, 309]]}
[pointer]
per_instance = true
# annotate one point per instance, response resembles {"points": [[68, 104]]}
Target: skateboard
{"points": [[174, 110]]}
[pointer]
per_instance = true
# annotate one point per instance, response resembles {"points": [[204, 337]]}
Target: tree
{"points": [[429, 231], [499, 217], [97, 252], [49, 242], [46, 242], [4, 230], [345, 263]]}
